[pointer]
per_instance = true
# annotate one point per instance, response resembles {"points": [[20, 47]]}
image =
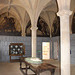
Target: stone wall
{"points": [[6, 40], [4, 46], [72, 46]]}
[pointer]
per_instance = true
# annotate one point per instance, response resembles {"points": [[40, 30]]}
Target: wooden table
{"points": [[37, 69]]}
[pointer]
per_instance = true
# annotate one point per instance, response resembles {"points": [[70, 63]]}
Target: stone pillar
{"points": [[65, 41], [23, 33], [23, 30], [34, 30]]}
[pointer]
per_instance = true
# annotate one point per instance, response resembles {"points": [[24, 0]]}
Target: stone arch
{"points": [[55, 11], [43, 29], [73, 24], [26, 20], [28, 26], [3, 11], [56, 26], [17, 14], [9, 25]]}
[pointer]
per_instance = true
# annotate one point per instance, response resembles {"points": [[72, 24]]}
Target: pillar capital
{"points": [[34, 28], [23, 34], [64, 12]]}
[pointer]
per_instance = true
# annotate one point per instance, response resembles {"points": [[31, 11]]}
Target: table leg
{"points": [[26, 69], [20, 64], [10, 58], [52, 72], [37, 73]]}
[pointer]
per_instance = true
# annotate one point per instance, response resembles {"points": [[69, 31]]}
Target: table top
{"points": [[42, 66]]}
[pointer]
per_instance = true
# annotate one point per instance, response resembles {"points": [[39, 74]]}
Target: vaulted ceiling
{"points": [[24, 10]]}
